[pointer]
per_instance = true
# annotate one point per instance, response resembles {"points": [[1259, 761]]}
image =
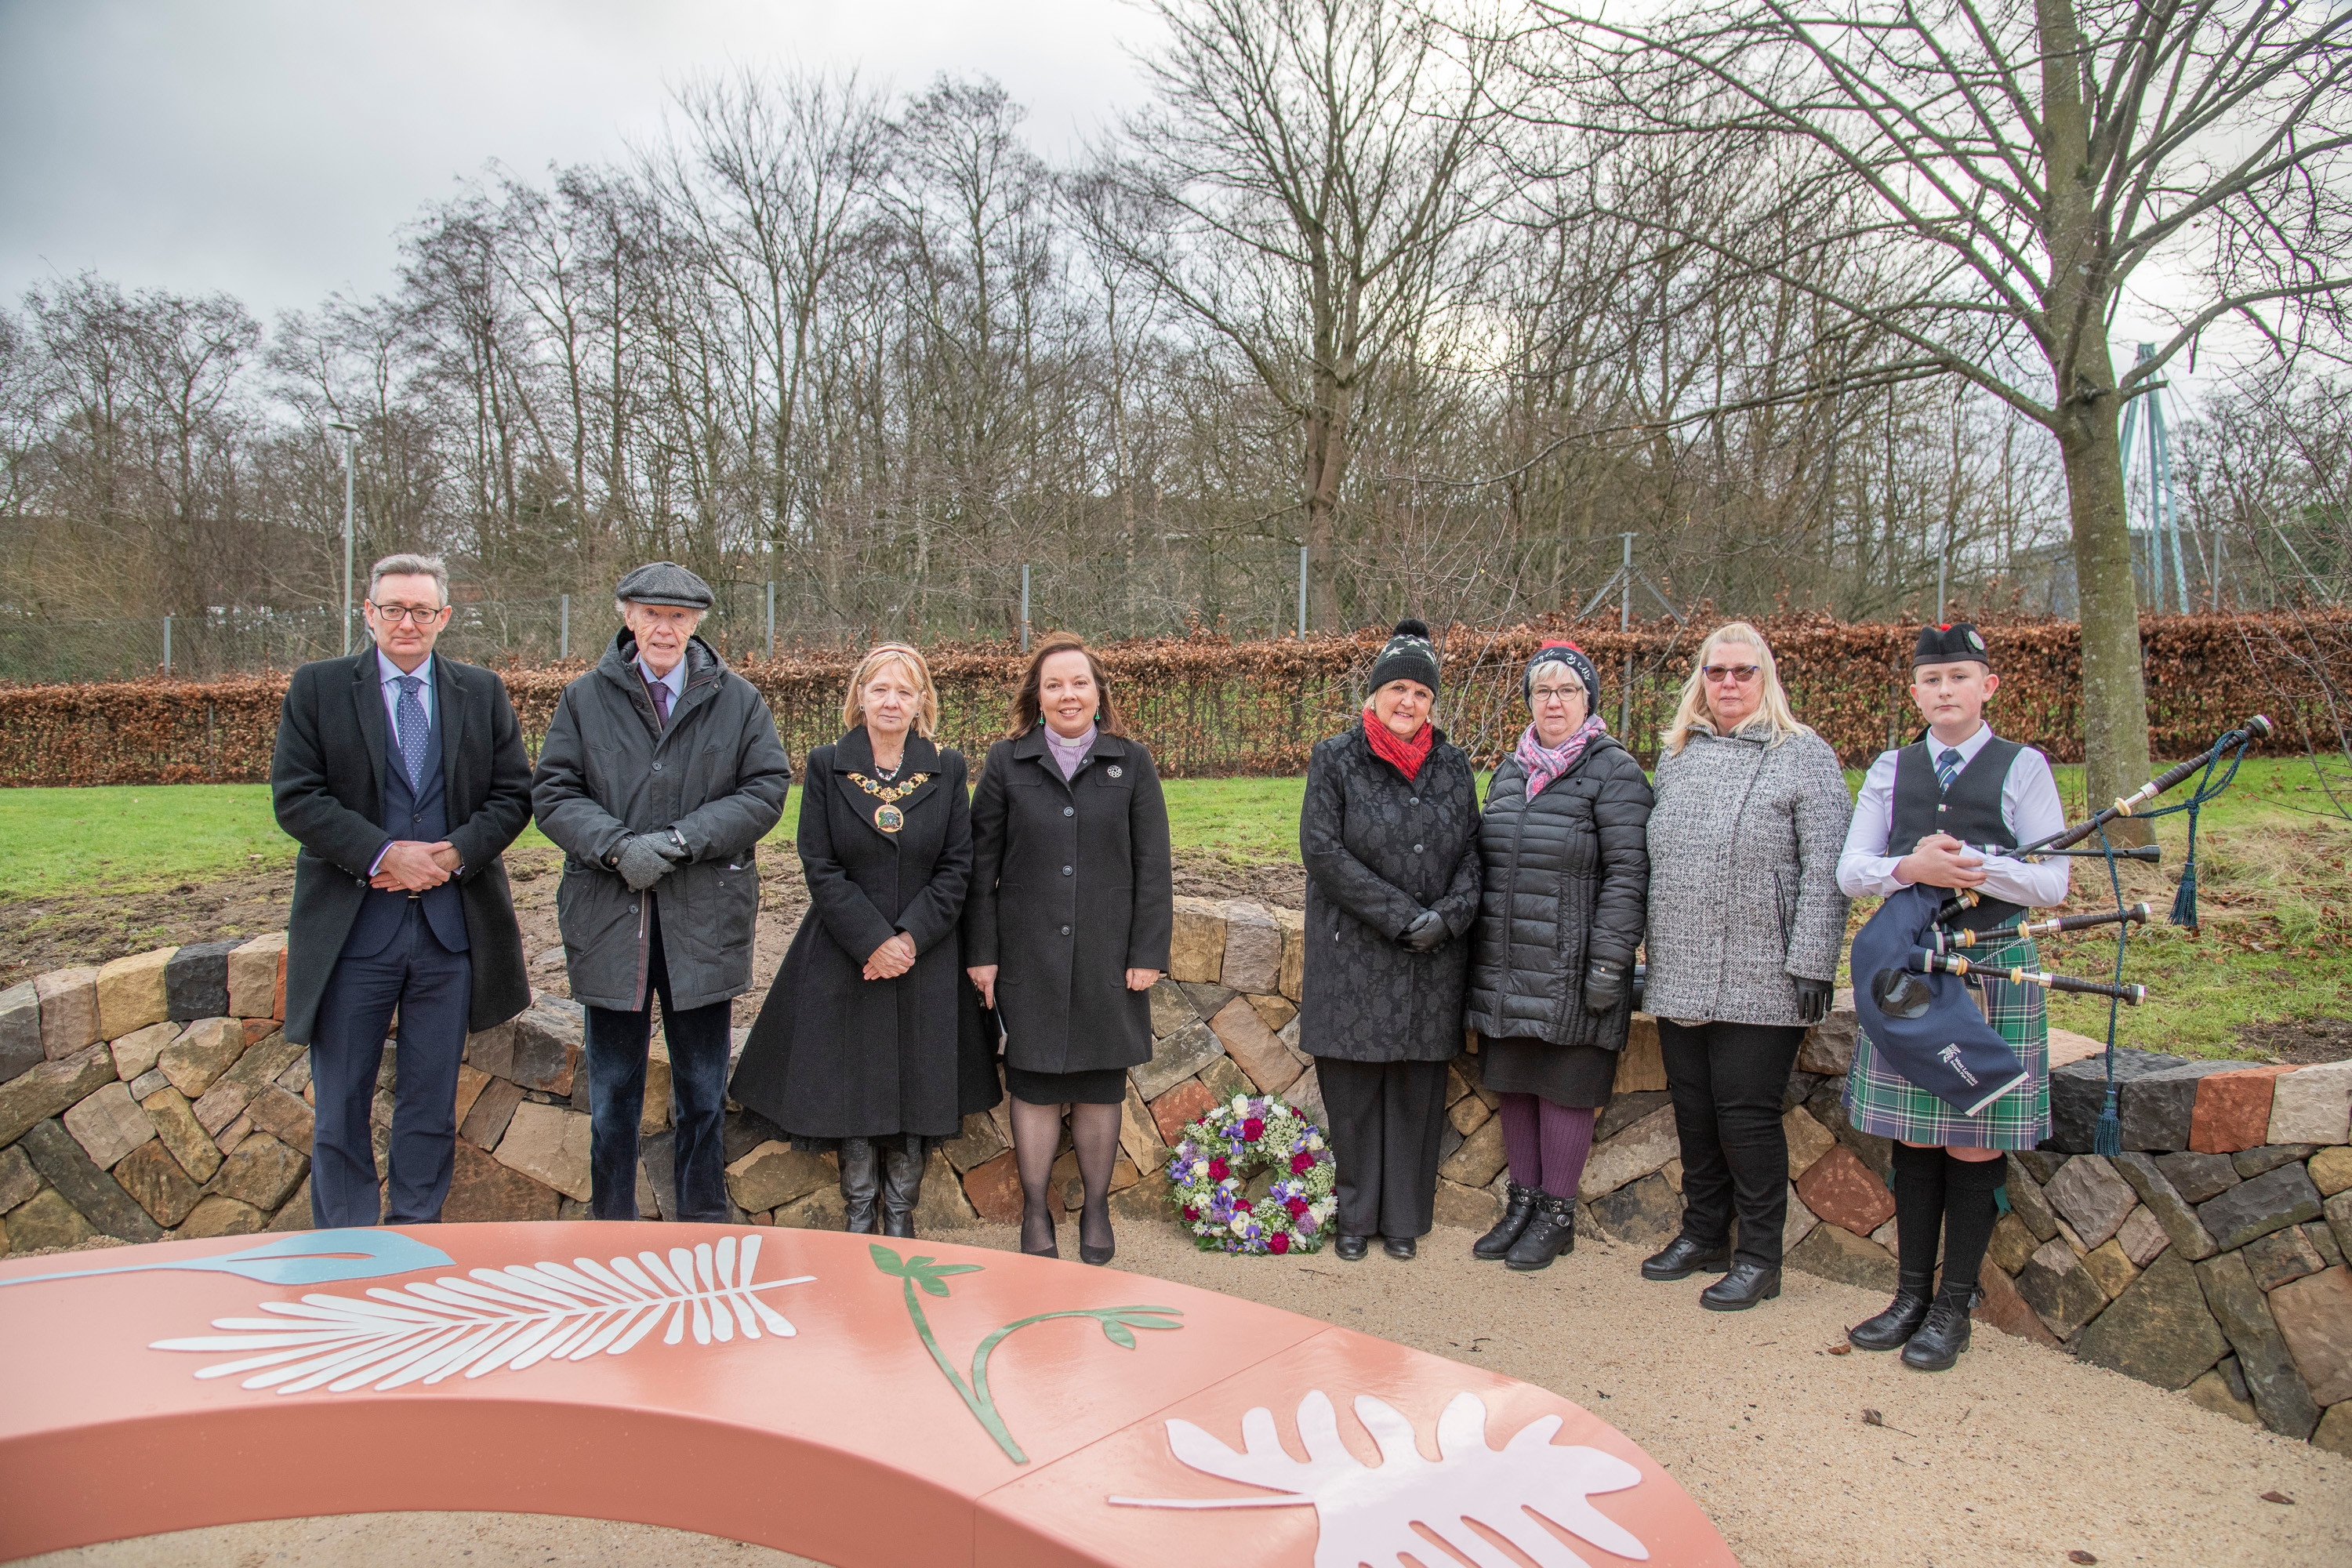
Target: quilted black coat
{"points": [[1567, 880], [1380, 849]]}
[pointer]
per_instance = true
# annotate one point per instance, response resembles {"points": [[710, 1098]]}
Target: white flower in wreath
{"points": [[1241, 1105]]}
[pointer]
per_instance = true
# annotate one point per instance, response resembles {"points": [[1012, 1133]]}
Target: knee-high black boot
{"points": [[858, 1185], [902, 1183]]}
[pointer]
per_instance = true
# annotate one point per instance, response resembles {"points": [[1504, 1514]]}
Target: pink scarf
{"points": [[1543, 764]]}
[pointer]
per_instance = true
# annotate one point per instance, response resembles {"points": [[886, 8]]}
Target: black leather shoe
{"points": [[902, 1183], [1683, 1258], [1943, 1336], [1742, 1287], [860, 1181], [1551, 1232], [1892, 1328], [1351, 1249], [1497, 1241], [1402, 1248]]}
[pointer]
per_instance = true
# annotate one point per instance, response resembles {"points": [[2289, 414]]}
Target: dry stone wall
{"points": [[157, 1096]]}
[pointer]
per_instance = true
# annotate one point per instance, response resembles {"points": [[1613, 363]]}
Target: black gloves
{"points": [[1604, 986], [645, 858], [1814, 999], [1427, 934]]}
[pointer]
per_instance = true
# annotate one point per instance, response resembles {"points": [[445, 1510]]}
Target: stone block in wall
{"points": [[253, 972], [746, 1130], [2334, 1431], [19, 1180], [264, 1171], [471, 1081], [135, 1053], [175, 1123], [283, 1116], [482, 1191], [2322, 1238], [549, 1145], [2158, 1330], [1271, 1066], [20, 1030], [1828, 1047], [1640, 1067], [2002, 1308], [294, 1213], [1468, 1114], [1646, 1212], [2078, 1092], [941, 1205], [132, 993], [1305, 1095], [2279, 1391], [1635, 1153], [1175, 1058], [215, 1214], [1187, 1102], [148, 1083], [1833, 1252], [31, 1098], [157, 1183], [2055, 1285], [1465, 1208], [1827, 1106], [1222, 1079], [2223, 1392], [1139, 1134], [2272, 1201], [1794, 1229], [653, 1110], [773, 1175], [1622, 1111], [1840, 1189], [485, 1123], [1253, 957], [2091, 1196], [1808, 1139], [2233, 1111], [1480, 1157], [2039, 1163], [1292, 982], [2106, 1264], [2199, 1176], [2165, 1202], [1276, 1011], [1171, 1010], [657, 1163], [2312, 1105], [69, 1002], [196, 980], [1071, 1188], [2252, 1162], [1207, 997], [2156, 1108], [2314, 1316], [255, 1072], [2331, 1171], [1196, 949], [2012, 1245], [108, 1125], [2283, 1256], [978, 1142], [540, 1047], [994, 1190], [203, 1052], [45, 1220], [101, 1201], [2142, 1236], [235, 1133]]}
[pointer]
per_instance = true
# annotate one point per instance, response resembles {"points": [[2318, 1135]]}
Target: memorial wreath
{"points": [[1219, 1155]]}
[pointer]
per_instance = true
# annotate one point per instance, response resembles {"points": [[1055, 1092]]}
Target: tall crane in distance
{"points": [[2148, 480]]}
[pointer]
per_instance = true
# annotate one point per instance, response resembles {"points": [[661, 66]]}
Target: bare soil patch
{"points": [[2301, 1041]]}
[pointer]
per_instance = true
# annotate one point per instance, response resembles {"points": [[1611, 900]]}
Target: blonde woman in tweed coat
{"points": [[1746, 924]]}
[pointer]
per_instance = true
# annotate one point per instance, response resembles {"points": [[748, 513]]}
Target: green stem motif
{"points": [[1118, 1324]]}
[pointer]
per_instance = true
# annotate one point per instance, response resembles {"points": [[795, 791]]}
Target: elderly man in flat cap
{"points": [[661, 772]]}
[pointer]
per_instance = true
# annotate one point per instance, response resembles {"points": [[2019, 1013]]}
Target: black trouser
{"points": [[1727, 1081], [699, 1039], [1386, 1119]]}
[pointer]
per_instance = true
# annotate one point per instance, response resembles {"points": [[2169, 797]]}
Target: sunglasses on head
{"points": [[1718, 673]]}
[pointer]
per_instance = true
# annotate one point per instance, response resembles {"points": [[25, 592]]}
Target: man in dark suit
{"points": [[403, 777]]}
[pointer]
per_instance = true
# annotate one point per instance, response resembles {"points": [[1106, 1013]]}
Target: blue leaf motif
{"points": [[308, 1258]]}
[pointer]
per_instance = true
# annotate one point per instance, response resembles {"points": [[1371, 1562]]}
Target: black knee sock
{"points": [[1969, 1214], [1919, 1199]]}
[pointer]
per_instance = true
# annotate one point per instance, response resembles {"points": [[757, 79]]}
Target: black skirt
{"points": [[1577, 1077], [1091, 1086]]}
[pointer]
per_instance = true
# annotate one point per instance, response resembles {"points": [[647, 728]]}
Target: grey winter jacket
{"points": [[717, 773], [1744, 844]]}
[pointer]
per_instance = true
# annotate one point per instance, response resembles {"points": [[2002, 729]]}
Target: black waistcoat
{"points": [[1968, 811], [422, 814]]}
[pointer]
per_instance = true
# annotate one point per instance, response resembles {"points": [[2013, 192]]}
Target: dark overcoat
{"points": [[1380, 848], [716, 773], [1567, 881], [834, 1055], [1072, 887], [326, 781]]}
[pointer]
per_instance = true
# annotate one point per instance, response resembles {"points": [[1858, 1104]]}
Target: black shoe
{"points": [[1940, 1340], [1893, 1326], [1096, 1256], [1400, 1248], [1497, 1241], [1351, 1249], [1551, 1230], [1683, 1258], [1742, 1287], [859, 1178], [1052, 1247], [902, 1183]]}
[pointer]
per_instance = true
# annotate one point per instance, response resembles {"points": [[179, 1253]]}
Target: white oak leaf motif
{"points": [[1364, 1514], [512, 1317]]}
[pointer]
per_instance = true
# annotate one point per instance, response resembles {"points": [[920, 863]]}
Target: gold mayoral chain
{"points": [[887, 816]]}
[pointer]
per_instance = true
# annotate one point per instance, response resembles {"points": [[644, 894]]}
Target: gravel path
{"points": [[2018, 1457]]}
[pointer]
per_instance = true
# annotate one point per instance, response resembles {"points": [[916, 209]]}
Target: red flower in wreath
{"points": [[1191, 1213], [1253, 1130], [1219, 1169], [1301, 1162], [1241, 1205], [1278, 1242], [1297, 1207]]}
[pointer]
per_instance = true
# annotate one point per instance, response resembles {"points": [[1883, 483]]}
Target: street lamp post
{"points": [[351, 435]]}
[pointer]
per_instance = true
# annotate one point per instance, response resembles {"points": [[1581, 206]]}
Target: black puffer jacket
{"points": [[1567, 881]]}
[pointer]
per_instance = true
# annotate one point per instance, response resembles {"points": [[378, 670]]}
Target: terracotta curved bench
{"points": [[908, 1403]]}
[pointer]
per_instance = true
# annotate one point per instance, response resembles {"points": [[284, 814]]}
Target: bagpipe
{"points": [[1914, 1004]]}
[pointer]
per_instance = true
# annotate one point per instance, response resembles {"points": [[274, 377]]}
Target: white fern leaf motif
{"points": [[512, 1317], [1364, 1514]]}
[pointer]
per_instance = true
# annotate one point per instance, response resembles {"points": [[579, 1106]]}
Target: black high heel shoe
{"points": [[1097, 1256], [1051, 1249]]}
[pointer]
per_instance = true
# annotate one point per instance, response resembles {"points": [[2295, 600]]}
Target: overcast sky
{"points": [[271, 148]]}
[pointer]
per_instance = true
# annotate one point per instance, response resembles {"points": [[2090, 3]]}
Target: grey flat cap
{"points": [[664, 582]]}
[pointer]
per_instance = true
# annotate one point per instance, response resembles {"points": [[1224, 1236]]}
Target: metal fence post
{"points": [[1302, 593], [167, 645], [772, 617], [1024, 609], [563, 630]]}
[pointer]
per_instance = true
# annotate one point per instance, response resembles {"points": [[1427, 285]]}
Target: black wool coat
{"points": [[326, 781], [1567, 881], [834, 1055], [1380, 848], [1072, 887]]}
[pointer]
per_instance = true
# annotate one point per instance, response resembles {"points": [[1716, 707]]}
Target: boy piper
{"points": [[1922, 808]]}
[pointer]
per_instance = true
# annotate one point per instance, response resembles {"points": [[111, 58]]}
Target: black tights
{"points": [[1037, 1143]]}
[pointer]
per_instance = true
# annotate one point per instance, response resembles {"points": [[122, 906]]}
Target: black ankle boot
{"points": [[1497, 1241], [1892, 1328], [1551, 1230], [1684, 1256], [1945, 1333], [858, 1178], [902, 1183], [1746, 1284]]}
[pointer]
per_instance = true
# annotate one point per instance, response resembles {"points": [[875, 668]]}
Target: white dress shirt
{"points": [[2029, 806]]}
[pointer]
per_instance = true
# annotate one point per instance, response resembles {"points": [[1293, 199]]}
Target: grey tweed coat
{"points": [[1743, 843]]}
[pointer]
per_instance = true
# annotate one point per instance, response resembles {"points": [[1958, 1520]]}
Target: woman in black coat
{"points": [[1564, 840], [1389, 832], [867, 1043], [1068, 925]]}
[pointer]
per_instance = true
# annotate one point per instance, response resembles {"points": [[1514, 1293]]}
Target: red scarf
{"points": [[1405, 756]]}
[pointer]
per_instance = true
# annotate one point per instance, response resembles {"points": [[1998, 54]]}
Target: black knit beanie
{"points": [[1573, 657], [1409, 656]]}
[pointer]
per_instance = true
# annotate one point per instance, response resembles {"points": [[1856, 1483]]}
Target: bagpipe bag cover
{"points": [[1935, 1036]]}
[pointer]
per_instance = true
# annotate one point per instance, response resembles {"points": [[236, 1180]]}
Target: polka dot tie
{"points": [[410, 711]]}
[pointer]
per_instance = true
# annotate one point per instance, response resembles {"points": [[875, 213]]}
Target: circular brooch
{"points": [[889, 818], [1253, 1175]]}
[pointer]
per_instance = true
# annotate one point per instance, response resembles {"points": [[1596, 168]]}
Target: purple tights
{"points": [[1547, 1143]]}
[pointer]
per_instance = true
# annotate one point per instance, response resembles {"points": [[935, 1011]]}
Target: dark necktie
{"points": [[660, 690], [1947, 768], [410, 711]]}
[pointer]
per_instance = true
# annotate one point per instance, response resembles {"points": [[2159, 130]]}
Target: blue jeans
{"points": [[699, 1039]]}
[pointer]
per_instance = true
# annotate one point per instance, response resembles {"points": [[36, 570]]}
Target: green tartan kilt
{"points": [[1881, 1100]]}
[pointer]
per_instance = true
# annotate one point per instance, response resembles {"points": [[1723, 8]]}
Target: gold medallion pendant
{"points": [[889, 818]]}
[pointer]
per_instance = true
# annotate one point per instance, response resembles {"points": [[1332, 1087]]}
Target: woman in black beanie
{"points": [[1389, 835]]}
